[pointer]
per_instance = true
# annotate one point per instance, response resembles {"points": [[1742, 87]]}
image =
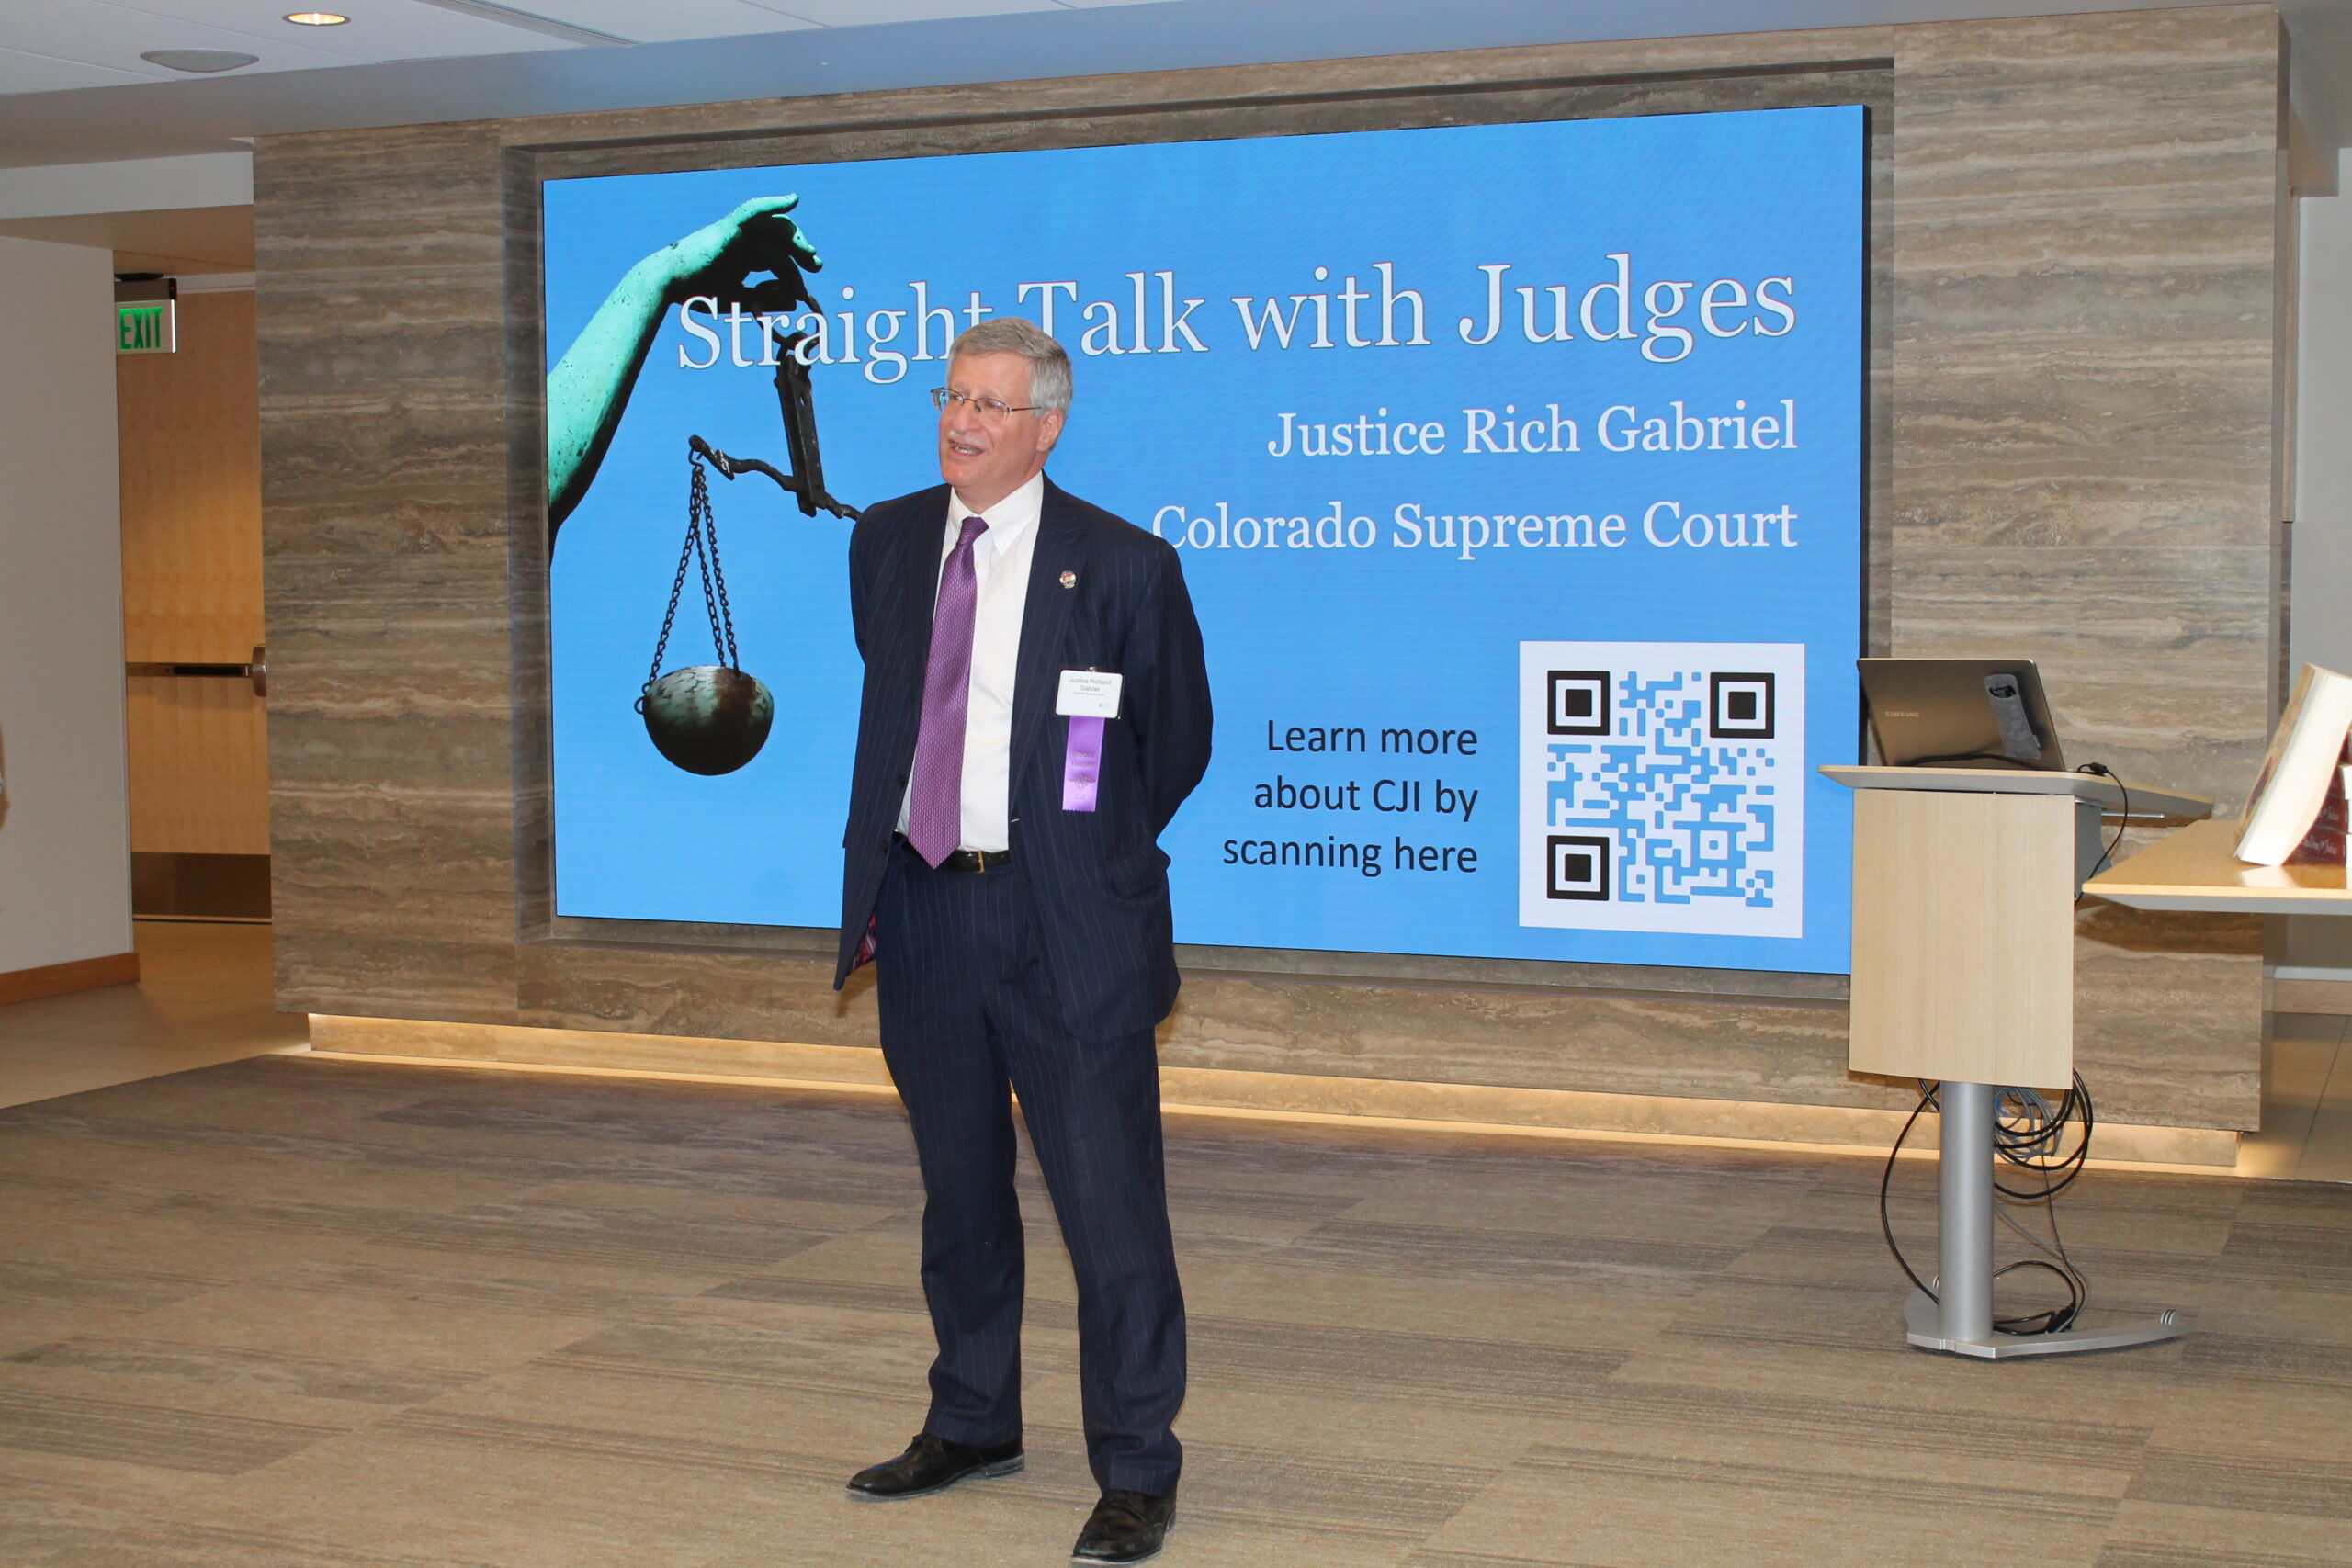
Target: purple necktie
{"points": [[936, 799]]}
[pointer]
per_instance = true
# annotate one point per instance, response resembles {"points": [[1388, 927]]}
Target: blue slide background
{"points": [[1374, 636]]}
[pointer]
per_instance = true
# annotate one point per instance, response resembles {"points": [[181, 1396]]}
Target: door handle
{"points": [[258, 671]]}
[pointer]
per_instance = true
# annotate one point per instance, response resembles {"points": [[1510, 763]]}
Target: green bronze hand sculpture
{"points": [[590, 386]]}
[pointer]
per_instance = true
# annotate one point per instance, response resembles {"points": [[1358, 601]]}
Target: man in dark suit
{"points": [[1035, 709]]}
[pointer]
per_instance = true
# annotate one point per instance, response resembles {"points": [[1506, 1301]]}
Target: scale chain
{"points": [[722, 617], [701, 549]]}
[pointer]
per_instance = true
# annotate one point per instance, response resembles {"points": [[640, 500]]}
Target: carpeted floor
{"points": [[286, 1312]]}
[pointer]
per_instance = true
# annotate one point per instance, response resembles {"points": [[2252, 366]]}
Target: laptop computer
{"points": [[1960, 712]]}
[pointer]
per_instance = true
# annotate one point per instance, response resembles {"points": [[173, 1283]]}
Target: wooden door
{"points": [[190, 432]]}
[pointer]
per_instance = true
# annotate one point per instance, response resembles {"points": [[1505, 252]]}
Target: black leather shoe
{"points": [[933, 1464], [1127, 1527]]}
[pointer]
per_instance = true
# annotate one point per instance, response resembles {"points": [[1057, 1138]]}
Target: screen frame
{"points": [[526, 167]]}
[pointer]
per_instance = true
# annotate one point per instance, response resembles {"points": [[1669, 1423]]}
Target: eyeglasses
{"points": [[992, 410]]}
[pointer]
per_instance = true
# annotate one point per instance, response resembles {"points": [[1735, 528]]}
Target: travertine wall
{"points": [[2078, 274]]}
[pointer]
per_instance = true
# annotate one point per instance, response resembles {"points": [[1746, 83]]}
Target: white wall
{"points": [[65, 822], [2321, 608]]}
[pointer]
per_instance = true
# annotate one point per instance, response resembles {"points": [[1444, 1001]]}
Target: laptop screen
{"points": [[1960, 712]]}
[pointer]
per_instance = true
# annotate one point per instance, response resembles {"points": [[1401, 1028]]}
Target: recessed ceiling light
{"points": [[201, 61], [317, 18]]}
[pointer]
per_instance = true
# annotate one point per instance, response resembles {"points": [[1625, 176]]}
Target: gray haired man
{"points": [[1035, 709]]}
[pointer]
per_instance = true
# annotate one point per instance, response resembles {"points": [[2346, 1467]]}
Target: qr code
{"points": [[1662, 787]]}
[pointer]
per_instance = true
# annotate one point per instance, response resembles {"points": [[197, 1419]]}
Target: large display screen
{"points": [[1515, 472]]}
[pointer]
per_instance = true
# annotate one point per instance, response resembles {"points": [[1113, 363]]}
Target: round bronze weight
{"points": [[707, 718]]}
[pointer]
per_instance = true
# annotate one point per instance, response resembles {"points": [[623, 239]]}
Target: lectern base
{"points": [[1961, 1322], [1923, 1326]]}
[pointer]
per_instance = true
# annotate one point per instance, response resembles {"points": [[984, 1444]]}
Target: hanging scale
{"points": [[707, 719]]}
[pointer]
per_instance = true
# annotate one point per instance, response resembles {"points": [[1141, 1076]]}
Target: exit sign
{"points": [[146, 326]]}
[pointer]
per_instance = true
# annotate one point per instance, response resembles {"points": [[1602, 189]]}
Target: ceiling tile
{"points": [[23, 72], [861, 13], [671, 20], [95, 33], [378, 30]]}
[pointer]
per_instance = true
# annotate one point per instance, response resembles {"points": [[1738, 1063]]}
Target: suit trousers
{"points": [[968, 1013]]}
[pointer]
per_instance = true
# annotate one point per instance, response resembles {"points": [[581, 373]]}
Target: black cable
{"points": [[2082, 1284], [2030, 1137], [1886, 1179], [2055, 1320], [2107, 855], [2021, 1150], [2078, 1290]]}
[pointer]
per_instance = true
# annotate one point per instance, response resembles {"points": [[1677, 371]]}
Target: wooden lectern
{"points": [[1964, 888]]}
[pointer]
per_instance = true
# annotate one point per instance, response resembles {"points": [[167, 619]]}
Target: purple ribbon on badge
{"points": [[1083, 764]]}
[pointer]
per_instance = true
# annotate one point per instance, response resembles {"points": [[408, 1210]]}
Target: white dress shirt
{"points": [[1001, 570]]}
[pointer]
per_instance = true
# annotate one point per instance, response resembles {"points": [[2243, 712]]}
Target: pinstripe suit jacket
{"points": [[1097, 879]]}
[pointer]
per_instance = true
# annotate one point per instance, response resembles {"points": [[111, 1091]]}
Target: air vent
{"points": [[200, 62]]}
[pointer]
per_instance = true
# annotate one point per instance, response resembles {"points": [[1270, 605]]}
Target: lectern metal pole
{"points": [[1965, 1213]]}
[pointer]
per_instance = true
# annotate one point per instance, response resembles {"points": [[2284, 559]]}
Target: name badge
{"points": [[1088, 697], [1090, 693]]}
